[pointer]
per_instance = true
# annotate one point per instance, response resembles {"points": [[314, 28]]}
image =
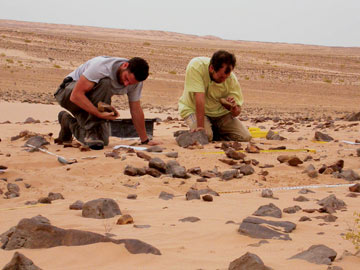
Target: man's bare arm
{"points": [[200, 110], [78, 97]]}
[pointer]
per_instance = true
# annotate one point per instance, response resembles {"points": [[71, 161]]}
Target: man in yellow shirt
{"points": [[212, 97]]}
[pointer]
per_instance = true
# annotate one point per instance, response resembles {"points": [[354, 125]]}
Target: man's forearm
{"points": [[138, 119]]}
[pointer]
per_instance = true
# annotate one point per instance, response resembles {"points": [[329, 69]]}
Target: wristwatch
{"points": [[146, 141]]}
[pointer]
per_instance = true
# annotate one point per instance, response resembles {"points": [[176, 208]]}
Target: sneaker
{"points": [[65, 134], [92, 140]]}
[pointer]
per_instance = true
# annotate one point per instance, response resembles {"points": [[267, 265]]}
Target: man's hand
{"points": [[108, 115], [197, 129]]}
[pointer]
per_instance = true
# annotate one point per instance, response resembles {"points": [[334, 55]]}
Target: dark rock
{"points": [[37, 141], [247, 169], [301, 199], [231, 153], [353, 117], [318, 254], [252, 227], [269, 210], [207, 198], [55, 196], [195, 170], [327, 218], [292, 209], [305, 191], [175, 170], [192, 194], [304, 218], [189, 138], [190, 219], [78, 205], [130, 170], [101, 208], [38, 233], [155, 148], [44, 200], [323, 137], [172, 154], [294, 161], [131, 196], [153, 172], [157, 164], [358, 152], [248, 261], [333, 202], [349, 175], [355, 188], [20, 262], [271, 135], [267, 193], [166, 196], [143, 155], [228, 175]]}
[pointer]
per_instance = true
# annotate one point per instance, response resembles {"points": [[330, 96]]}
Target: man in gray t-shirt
{"points": [[96, 81]]}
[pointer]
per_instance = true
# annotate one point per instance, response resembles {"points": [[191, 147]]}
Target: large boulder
{"points": [[318, 254], [248, 261], [20, 262]]}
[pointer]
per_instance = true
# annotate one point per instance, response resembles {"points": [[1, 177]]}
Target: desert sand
{"points": [[293, 89]]}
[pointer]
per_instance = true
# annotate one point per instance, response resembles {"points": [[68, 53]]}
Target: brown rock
{"points": [[125, 219]]}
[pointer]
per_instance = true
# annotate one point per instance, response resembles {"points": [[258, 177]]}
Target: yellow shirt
{"points": [[197, 79]]}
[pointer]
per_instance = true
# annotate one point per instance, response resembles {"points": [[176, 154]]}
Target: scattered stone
{"points": [[37, 232], [252, 148], [322, 137], [318, 254], [142, 226], [130, 170], [175, 170], [153, 172], [45, 200], [20, 262], [271, 135], [55, 196], [301, 199], [155, 148], [246, 169], [351, 195], [228, 175], [101, 208], [37, 141], [195, 170], [166, 196], [304, 218], [247, 262], [189, 138], [355, 188], [78, 205], [143, 155], [353, 117], [358, 152], [328, 218], [125, 219], [292, 209], [190, 219], [252, 227], [348, 175], [228, 161], [13, 191], [305, 191], [283, 158], [172, 154], [157, 164], [131, 196], [294, 161], [231, 153], [192, 194], [333, 202], [269, 210], [207, 198], [267, 193]]}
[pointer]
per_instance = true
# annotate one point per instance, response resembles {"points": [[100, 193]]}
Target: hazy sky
{"points": [[321, 22]]}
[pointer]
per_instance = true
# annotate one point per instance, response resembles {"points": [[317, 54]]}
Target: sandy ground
{"points": [[290, 89]]}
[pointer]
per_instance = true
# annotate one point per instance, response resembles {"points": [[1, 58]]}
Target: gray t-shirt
{"points": [[101, 67]]}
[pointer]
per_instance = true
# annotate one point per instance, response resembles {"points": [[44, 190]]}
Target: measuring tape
{"points": [[269, 151]]}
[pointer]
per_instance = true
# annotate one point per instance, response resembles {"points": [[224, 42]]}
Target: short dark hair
{"points": [[139, 67], [222, 57]]}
